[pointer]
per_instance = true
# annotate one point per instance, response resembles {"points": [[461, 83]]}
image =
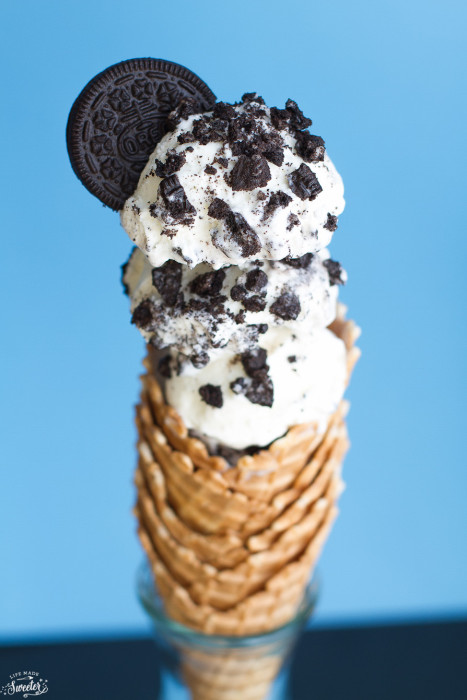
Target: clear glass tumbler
{"points": [[198, 666]]}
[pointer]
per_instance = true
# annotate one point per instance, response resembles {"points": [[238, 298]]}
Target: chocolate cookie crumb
{"points": [[172, 164], [243, 234], [274, 155], [254, 360], [208, 284], [167, 279], [262, 328], [310, 148], [249, 173], [222, 110], [238, 385], [292, 358], [175, 199], [287, 306], [210, 170], [277, 200], [334, 271], [292, 221], [331, 223], [261, 390], [164, 367], [144, 314], [218, 209], [199, 360], [301, 263], [256, 280], [304, 183], [254, 303], [212, 395], [183, 110], [240, 317], [186, 137], [169, 232], [223, 162], [238, 292]]}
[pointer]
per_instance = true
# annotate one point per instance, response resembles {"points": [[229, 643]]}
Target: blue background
{"points": [[385, 85]]}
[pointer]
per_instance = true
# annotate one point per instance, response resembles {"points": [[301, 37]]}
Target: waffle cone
{"points": [[231, 548]]}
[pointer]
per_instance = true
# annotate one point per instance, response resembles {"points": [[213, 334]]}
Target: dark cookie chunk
{"points": [[254, 303], [256, 280], [240, 317], [119, 117], [209, 284], [222, 110], [334, 271], [199, 360], [254, 360], [218, 209], [301, 263], [289, 118], [243, 234], [186, 137], [144, 315], [309, 147], [261, 389], [169, 232], [249, 173], [252, 97], [275, 155], [262, 328], [239, 385], [172, 164], [304, 183], [238, 292], [292, 221], [287, 306], [167, 279], [223, 162], [331, 223], [210, 170], [175, 199], [276, 200], [292, 358], [164, 367], [183, 110], [212, 395]]}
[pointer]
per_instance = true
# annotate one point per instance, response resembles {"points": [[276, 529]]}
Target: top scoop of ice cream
{"points": [[242, 182]]}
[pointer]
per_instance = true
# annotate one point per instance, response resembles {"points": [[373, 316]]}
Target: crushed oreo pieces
{"points": [[175, 199], [173, 163], [301, 263], [212, 395], [287, 306], [304, 183], [331, 223], [334, 271], [208, 284], [256, 280], [260, 389], [249, 173], [239, 385], [218, 209], [167, 279], [254, 303], [243, 234], [310, 148], [144, 315], [277, 200], [292, 221], [199, 360]]}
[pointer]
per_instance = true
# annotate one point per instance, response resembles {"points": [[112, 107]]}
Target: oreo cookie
{"points": [[118, 118]]}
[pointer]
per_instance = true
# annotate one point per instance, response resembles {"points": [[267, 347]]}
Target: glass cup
{"points": [[198, 666]]}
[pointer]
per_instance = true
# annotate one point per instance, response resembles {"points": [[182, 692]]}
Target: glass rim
{"points": [[152, 604]]}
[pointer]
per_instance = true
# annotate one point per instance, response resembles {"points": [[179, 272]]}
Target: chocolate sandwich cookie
{"points": [[121, 114]]}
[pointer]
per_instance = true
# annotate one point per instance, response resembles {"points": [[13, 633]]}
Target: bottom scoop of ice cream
{"points": [[240, 400]]}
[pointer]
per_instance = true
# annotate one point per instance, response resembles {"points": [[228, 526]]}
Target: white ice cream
{"points": [[308, 372], [209, 240], [194, 331]]}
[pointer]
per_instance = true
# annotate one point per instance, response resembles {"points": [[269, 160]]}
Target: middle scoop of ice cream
{"points": [[197, 311], [244, 181]]}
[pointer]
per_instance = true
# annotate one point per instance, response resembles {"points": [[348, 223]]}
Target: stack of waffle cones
{"points": [[232, 548]]}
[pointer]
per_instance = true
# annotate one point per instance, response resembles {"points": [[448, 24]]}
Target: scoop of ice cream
{"points": [[239, 183], [197, 310], [253, 398]]}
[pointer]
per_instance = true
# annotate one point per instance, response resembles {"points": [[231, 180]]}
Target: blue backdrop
{"points": [[385, 85]]}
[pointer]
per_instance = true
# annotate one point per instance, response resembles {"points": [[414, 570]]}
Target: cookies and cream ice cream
{"points": [[231, 282], [239, 183]]}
